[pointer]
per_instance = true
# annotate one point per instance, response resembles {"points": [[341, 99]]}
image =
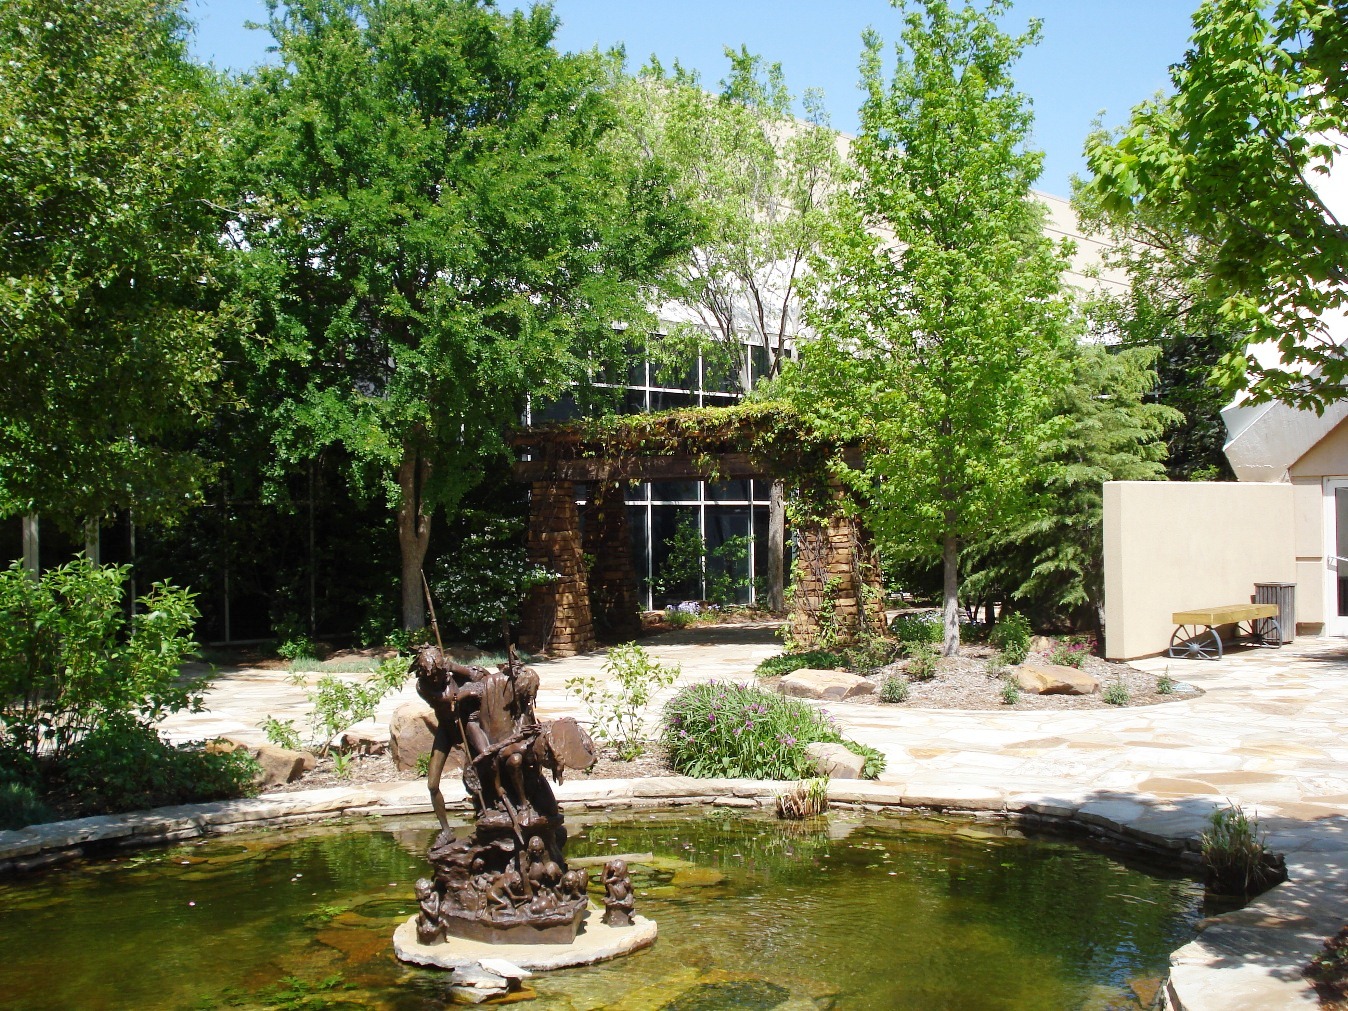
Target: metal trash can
{"points": [[1285, 596]]}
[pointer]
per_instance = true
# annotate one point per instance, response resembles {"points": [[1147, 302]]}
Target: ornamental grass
{"points": [[724, 729]]}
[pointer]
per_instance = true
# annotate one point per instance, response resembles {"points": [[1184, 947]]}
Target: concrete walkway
{"points": [[1270, 732]]}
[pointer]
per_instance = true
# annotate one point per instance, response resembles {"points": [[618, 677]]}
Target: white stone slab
{"points": [[596, 942]]}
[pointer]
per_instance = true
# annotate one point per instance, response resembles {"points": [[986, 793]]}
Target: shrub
{"points": [[1116, 694], [20, 805], [1072, 652], [894, 690], [282, 733], [124, 766], [70, 662], [804, 800], [870, 652], [1010, 692], [1235, 858], [617, 713], [916, 629], [723, 729], [299, 647], [486, 578], [787, 663], [1011, 635], [1165, 684], [922, 664]]}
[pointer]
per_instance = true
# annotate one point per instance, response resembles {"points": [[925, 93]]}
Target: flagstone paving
{"points": [[1269, 731]]}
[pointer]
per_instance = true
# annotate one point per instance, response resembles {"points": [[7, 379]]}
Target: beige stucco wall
{"points": [[1174, 545], [1327, 458]]}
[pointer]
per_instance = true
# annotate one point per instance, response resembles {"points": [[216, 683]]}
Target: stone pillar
{"points": [[837, 595], [614, 602], [556, 616]]}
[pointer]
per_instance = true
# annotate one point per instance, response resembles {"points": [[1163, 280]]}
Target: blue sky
{"points": [[1096, 55]]}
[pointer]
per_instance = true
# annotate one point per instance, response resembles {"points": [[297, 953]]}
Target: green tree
{"points": [[758, 181], [1051, 562], [109, 259], [1232, 158], [942, 319], [440, 222], [1168, 305]]}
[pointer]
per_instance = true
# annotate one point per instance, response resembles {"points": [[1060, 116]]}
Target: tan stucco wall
{"points": [[1174, 545]]}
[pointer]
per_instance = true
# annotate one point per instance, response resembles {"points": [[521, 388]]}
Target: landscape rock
{"points": [[411, 732], [825, 685], [465, 652], [835, 761], [281, 765], [1055, 679], [363, 742]]}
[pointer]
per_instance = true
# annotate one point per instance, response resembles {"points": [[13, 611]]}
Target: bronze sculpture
{"points": [[618, 901], [508, 881]]}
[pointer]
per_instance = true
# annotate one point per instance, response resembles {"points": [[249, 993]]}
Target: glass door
{"points": [[1336, 556]]}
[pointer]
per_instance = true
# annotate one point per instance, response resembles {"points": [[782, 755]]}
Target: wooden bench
{"points": [[1196, 633]]}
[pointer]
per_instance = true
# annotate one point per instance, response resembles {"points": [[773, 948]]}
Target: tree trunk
{"points": [[93, 541], [777, 548], [950, 613], [30, 544], [414, 533]]}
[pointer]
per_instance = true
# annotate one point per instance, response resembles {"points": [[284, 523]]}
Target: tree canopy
{"points": [[441, 224], [940, 312], [109, 259], [1237, 158]]}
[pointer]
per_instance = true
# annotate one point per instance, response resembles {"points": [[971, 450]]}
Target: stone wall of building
{"points": [[615, 604], [836, 594]]}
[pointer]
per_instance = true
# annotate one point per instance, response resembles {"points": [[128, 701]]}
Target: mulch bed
{"points": [[966, 682]]}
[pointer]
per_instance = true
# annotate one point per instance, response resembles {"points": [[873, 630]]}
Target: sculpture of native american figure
{"points": [[506, 882]]}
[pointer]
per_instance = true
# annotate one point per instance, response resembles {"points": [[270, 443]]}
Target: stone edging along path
{"points": [[1249, 959]]}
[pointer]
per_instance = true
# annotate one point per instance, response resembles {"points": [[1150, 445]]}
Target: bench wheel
{"points": [[1266, 632], [1196, 642]]}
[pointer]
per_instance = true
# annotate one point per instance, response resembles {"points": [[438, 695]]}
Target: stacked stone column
{"points": [[837, 595], [556, 616], [614, 603]]}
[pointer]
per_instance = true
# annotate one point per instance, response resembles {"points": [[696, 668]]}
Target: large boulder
{"points": [[824, 685], [835, 760], [411, 732], [276, 765], [1055, 679], [363, 741]]}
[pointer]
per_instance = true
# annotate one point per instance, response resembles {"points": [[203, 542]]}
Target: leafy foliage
{"points": [[440, 222], [1011, 635], [1051, 560], [923, 660], [336, 704], [1072, 651], [721, 729], [804, 800], [110, 265], [1116, 694], [915, 629], [942, 341], [1232, 158], [70, 662], [617, 707], [894, 690], [282, 733], [785, 663], [123, 765], [1235, 857], [483, 581], [1010, 693]]}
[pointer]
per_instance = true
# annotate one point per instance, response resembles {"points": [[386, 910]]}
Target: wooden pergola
{"points": [[836, 583]]}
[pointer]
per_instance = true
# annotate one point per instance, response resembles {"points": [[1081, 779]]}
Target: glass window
{"points": [[638, 491], [675, 491], [665, 522], [641, 556], [663, 401], [727, 557], [564, 408], [736, 490], [677, 374], [715, 400], [758, 361], [634, 402], [721, 369]]}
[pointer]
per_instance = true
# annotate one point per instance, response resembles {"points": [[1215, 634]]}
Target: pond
{"points": [[846, 912]]}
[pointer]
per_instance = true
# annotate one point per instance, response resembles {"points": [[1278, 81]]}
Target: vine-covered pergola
{"points": [[835, 581]]}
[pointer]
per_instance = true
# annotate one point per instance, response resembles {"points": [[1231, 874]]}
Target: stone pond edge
{"points": [[1248, 959]]}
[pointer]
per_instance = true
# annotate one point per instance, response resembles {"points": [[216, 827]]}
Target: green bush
{"points": [[1011, 635], [1116, 694], [299, 647], [923, 662], [125, 766], [617, 707], [786, 663], [1236, 859], [1010, 692], [1072, 651], [20, 805], [722, 729], [894, 690], [916, 629], [870, 652], [70, 662]]}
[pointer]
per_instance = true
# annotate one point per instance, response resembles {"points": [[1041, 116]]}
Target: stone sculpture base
{"points": [[596, 942], [559, 928]]}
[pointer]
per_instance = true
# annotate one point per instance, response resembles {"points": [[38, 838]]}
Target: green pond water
{"points": [[845, 912]]}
